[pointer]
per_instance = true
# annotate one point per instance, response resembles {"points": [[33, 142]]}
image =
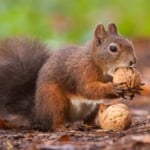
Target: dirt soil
{"points": [[83, 137]]}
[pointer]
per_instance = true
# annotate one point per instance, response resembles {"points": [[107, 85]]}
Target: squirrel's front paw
{"points": [[121, 91], [131, 92]]}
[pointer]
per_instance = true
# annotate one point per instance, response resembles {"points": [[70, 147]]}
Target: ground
{"points": [[82, 137]]}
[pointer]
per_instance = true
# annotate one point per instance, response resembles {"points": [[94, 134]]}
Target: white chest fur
{"points": [[81, 108]]}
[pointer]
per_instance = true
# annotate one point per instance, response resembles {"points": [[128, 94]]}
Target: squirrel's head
{"points": [[111, 50]]}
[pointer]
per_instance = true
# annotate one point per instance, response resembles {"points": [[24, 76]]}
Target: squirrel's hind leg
{"points": [[51, 106]]}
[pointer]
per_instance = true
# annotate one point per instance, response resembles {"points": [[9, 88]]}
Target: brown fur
{"points": [[62, 86], [79, 72], [20, 61]]}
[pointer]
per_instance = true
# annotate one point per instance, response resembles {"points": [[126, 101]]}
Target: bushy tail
{"points": [[20, 62]]}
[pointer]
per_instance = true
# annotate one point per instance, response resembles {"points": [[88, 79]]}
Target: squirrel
{"points": [[51, 88]]}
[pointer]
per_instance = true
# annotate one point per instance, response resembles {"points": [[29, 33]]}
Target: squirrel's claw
{"points": [[121, 90]]}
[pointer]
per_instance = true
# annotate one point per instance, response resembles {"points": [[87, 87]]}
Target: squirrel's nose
{"points": [[132, 62]]}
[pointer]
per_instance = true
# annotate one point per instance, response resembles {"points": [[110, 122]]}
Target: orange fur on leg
{"points": [[51, 106]]}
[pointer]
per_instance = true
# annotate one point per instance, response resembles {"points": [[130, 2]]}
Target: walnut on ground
{"points": [[115, 117]]}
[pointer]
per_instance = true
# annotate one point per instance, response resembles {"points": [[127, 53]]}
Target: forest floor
{"points": [[82, 137]]}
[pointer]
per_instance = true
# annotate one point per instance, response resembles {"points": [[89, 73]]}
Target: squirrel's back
{"points": [[20, 61]]}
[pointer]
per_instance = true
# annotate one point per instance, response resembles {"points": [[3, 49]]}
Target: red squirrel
{"points": [[51, 88]]}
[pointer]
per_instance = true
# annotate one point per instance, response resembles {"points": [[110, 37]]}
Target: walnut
{"points": [[131, 79], [115, 117], [130, 76]]}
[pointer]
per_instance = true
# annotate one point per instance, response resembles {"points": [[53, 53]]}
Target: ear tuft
{"points": [[112, 29], [100, 33]]}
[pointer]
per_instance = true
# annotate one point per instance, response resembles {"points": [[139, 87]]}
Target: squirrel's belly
{"points": [[80, 109]]}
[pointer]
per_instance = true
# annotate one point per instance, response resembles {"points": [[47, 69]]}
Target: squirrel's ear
{"points": [[100, 34], [112, 29]]}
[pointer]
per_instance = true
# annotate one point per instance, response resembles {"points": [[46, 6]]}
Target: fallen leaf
{"points": [[6, 125], [9, 146], [64, 138]]}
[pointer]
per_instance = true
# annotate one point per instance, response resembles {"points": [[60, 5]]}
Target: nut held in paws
{"points": [[130, 76]]}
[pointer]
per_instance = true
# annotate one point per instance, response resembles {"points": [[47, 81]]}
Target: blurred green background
{"points": [[72, 21]]}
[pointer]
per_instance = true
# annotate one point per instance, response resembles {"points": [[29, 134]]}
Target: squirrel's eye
{"points": [[113, 48]]}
